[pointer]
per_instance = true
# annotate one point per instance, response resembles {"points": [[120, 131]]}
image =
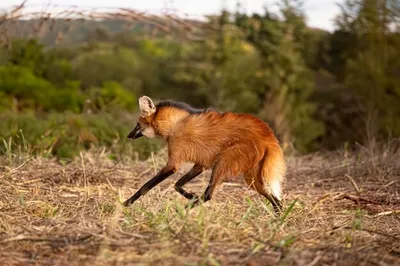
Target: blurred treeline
{"points": [[318, 90]]}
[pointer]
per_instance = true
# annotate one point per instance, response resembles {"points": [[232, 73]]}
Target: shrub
{"points": [[65, 134]]}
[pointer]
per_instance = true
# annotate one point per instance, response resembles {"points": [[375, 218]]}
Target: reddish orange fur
{"points": [[229, 143]]}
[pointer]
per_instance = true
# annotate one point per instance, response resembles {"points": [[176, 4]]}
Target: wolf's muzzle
{"points": [[135, 133]]}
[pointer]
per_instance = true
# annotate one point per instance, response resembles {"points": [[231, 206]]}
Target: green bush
{"points": [[113, 96], [69, 97], [32, 92], [65, 134], [29, 90]]}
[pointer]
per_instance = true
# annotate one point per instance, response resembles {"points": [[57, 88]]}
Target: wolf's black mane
{"points": [[183, 106]]}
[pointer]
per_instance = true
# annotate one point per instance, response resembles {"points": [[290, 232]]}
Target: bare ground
{"points": [[341, 209]]}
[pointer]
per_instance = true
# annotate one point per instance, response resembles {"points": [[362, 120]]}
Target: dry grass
{"points": [[341, 210]]}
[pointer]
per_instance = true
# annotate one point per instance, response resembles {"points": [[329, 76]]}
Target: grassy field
{"points": [[341, 209]]}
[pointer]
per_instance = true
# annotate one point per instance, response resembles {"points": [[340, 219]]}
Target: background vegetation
{"points": [[62, 91]]}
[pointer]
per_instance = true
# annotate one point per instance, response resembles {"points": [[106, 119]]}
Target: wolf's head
{"points": [[144, 126]]}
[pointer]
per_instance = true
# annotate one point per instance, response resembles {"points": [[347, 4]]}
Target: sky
{"points": [[320, 13]]}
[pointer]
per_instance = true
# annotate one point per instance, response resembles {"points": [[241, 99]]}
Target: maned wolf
{"points": [[228, 143]]}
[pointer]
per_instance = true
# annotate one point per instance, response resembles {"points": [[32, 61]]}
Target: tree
{"points": [[373, 68], [287, 81], [220, 71]]}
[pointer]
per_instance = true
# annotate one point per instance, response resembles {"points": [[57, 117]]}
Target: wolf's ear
{"points": [[147, 106]]}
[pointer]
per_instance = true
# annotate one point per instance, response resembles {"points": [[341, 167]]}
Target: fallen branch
{"points": [[15, 169], [320, 200], [41, 239], [355, 199], [387, 213], [354, 184]]}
